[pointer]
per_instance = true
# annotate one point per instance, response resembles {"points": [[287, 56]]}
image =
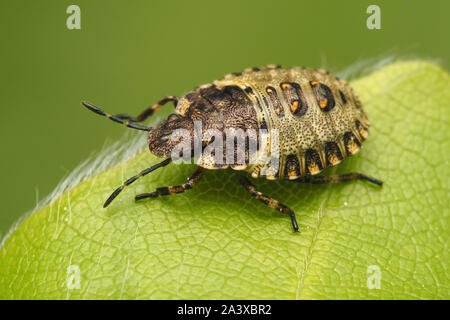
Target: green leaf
{"points": [[216, 242]]}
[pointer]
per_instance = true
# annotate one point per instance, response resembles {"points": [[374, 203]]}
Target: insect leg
{"points": [[165, 191], [268, 200], [338, 178], [150, 110], [133, 179]]}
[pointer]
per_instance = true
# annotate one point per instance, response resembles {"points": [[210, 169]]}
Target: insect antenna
{"points": [[126, 123], [133, 179]]}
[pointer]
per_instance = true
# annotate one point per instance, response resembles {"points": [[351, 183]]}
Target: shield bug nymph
{"points": [[314, 119]]}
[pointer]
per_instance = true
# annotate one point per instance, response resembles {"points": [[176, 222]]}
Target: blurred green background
{"points": [[129, 54]]}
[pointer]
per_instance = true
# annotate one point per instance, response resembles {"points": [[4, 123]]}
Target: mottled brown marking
{"points": [[363, 132], [324, 96], [313, 163], [275, 101], [333, 154], [292, 167], [295, 98], [351, 143]]}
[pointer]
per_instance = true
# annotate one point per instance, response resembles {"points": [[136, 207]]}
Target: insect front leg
{"points": [[338, 178], [165, 191], [275, 204], [149, 111], [134, 178]]}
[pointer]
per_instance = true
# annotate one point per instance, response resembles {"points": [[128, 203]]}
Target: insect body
{"points": [[309, 119]]}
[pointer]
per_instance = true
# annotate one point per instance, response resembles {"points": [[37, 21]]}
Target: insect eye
{"points": [[172, 117]]}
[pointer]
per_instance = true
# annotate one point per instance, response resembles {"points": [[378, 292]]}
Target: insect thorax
{"points": [[313, 120]]}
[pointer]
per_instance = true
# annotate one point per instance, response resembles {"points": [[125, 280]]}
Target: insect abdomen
{"points": [[317, 117]]}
